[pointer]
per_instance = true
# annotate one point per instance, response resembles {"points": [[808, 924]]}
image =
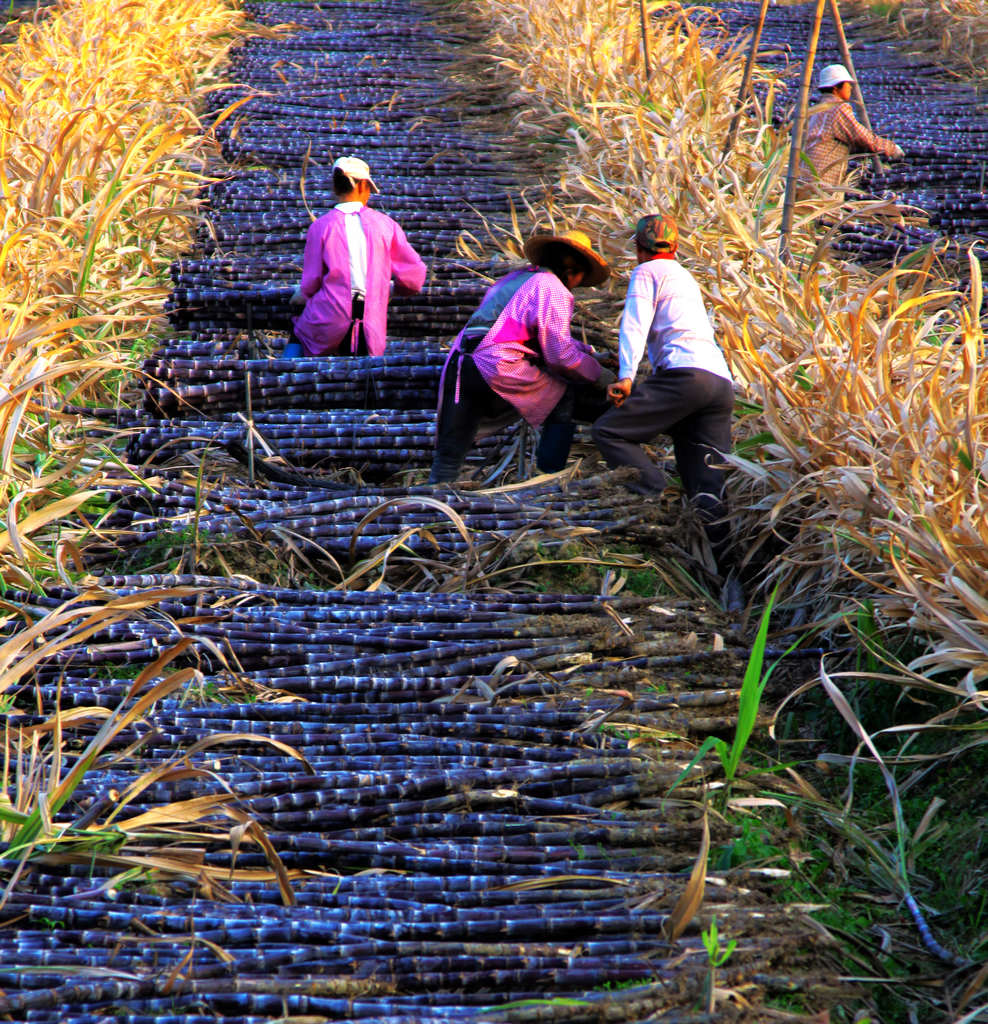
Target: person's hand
{"points": [[898, 153], [298, 299], [619, 391], [605, 378]]}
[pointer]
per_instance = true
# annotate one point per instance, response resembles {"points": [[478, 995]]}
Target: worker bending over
{"points": [[351, 254], [833, 132], [688, 395], [516, 357]]}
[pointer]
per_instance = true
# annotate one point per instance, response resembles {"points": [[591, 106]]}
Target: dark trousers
{"points": [[694, 408], [460, 421]]}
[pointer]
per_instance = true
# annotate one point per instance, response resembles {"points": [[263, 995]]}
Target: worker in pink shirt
{"points": [[516, 357], [351, 255]]}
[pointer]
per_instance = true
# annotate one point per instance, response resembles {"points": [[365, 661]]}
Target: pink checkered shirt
{"points": [[832, 133], [529, 350]]}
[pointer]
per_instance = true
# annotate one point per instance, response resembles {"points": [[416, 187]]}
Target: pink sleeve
{"points": [[312, 262], [553, 311], [407, 267]]}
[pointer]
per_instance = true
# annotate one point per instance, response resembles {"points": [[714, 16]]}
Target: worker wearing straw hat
{"points": [[833, 132], [351, 255], [516, 357], [689, 394]]}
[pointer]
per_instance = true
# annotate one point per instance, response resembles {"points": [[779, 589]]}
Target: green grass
{"points": [[752, 689]]}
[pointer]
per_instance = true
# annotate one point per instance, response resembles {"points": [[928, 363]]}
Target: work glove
{"points": [[899, 153], [606, 378], [298, 299]]}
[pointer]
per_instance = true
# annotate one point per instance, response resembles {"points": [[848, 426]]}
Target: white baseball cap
{"points": [[833, 74], [355, 169]]}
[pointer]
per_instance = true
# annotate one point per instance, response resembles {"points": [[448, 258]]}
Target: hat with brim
{"points": [[355, 169], [833, 74], [597, 269]]}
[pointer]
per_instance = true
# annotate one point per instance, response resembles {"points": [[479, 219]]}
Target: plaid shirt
{"points": [[832, 133]]}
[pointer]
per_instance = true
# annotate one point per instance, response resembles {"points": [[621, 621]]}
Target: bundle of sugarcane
{"points": [[405, 377], [385, 949], [272, 268], [377, 444], [292, 150], [291, 241], [239, 226], [269, 304], [263, 189], [388, 141], [363, 626], [347, 521]]}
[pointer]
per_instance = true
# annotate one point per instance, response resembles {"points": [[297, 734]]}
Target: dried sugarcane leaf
{"points": [[692, 896]]}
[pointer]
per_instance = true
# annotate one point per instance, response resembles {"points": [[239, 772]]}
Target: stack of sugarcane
{"points": [[443, 305], [258, 189], [376, 444], [283, 232], [454, 826], [319, 521], [405, 377], [293, 132], [419, 651], [379, 948]]}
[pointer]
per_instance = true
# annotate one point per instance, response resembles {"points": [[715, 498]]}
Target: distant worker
{"points": [[688, 396], [516, 357], [351, 254], [833, 132]]}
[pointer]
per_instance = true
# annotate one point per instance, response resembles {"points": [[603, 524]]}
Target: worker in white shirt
{"points": [[689, 394]]}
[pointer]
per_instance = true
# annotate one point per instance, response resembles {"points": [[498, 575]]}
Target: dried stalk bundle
{"points": [[958, 29]]}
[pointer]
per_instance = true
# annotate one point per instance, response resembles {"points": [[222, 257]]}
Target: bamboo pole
{"points": [[845, 52], [646, 51], [746, 79], [797, 133]]}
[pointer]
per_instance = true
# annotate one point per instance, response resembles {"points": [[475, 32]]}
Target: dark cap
{"points": [[657, 233]]}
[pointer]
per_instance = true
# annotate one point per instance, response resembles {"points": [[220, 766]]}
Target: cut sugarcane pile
{"points": [[444, 784]]}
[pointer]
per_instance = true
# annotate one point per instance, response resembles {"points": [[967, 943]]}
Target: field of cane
{"points": [[101, 158], [857, 483]]}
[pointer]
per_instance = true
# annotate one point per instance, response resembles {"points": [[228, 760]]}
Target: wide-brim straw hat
{"points": [[579, 242]]}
